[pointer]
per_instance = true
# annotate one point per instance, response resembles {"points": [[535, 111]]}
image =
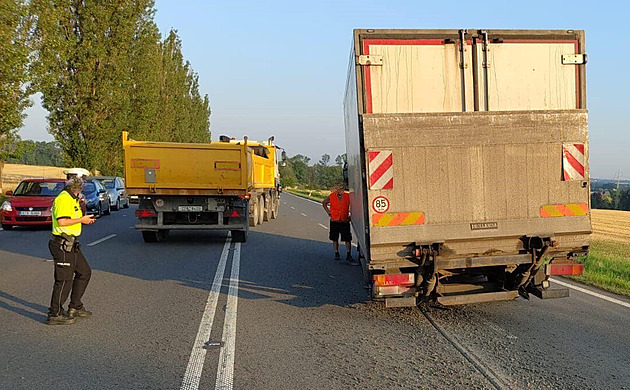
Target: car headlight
{"points": [[6, 206]]}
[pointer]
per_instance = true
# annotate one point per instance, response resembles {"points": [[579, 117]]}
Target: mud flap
{"points": [[400, 302]]}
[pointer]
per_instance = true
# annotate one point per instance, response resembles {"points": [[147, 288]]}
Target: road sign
{"points": [[380, 204]]}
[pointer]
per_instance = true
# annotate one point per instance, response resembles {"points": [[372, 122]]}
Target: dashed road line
{"points": [[101, 240], [225, 370], [304, 215], [324, 226], [593, 293], [292, 208], [198, 353]]}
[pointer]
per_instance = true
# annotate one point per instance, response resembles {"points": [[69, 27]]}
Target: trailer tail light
{"points": [[565, 269], [233, 214], [394, 280], [145, 213]]}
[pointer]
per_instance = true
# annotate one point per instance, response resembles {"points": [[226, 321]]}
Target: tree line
{"points": [[299, 172], [102, 67], [611, 199]]}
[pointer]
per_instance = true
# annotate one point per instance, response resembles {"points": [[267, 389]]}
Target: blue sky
{"points": [[279, 67]]}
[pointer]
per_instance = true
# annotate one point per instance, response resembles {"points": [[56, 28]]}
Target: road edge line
{"points": [[593, 293], [301, 197], [197, 358]]}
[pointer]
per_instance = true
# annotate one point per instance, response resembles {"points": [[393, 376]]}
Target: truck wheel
{"points": [[239, 235], [150, 236], [276, 207], [253, 215], [261, 210], [268, 209]]}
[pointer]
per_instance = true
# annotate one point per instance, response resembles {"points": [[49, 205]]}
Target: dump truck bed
{"points": [[217, 168]]}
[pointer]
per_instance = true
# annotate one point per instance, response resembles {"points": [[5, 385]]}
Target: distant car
{"points": [[96, 198], [31, 203], [115, 187]]}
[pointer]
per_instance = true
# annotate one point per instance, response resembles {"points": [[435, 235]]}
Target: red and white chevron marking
{"points": [[381, 169], [573, 161]]}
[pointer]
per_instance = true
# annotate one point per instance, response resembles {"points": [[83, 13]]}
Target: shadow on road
{"points": [[295, 271], [14, 304]]}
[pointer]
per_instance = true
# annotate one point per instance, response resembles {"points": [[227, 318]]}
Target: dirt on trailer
{"points": [[611, 225]]}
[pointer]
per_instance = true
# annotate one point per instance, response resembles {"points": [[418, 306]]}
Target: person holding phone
{"points": [[72, 271]]}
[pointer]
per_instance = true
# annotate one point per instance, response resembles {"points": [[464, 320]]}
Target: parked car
{"points": [[30, 203], [115, 187], [96, 198]]}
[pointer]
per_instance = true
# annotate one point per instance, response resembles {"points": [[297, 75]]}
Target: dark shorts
{"points": [[340, 228]]}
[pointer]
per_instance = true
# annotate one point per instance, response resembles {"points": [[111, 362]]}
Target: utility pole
{"points": [[618, 177]]}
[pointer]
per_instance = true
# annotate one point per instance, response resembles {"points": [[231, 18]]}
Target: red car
{"points": [[31, 203]]}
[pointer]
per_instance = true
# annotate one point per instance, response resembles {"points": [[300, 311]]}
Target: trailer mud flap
{"points": [[400, 302]]}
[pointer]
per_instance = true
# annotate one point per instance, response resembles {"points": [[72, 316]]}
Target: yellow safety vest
{"points": [[66, 205]]}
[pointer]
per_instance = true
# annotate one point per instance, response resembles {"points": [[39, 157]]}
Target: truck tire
{"points": [[261, 210], [150, 236], [268, 209], [239, 235], [253, 215], [276, 207]]}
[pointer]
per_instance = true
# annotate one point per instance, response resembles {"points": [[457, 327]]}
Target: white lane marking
{"points": [[198, 353], [101, 240], [324, 226], [303, 214], [593, 293], [225, 370], [292, 208], [301, 197]]}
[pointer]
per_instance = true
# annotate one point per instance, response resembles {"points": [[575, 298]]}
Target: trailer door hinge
{"points": [[373, 60], [574, 59]]}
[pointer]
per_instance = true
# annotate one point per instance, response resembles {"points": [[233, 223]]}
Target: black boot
{"points": [[60, 320]]}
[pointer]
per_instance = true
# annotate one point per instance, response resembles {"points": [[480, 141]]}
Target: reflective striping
{"points": [[563, 210], [381, 167], [573, 162], [398, 219]]}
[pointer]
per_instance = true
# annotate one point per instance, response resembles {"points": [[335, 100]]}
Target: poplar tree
{"points": [[14, 76]]}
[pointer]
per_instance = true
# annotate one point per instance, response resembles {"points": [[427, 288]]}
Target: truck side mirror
{"points": [[345, 173], [284, 156], [9, 193]]}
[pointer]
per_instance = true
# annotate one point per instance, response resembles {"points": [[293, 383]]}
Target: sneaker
{"points": [[60, 320], [337, 257], [74, 313]]}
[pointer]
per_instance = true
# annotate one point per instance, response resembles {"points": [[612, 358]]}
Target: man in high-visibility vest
{"points": [[337, 206], [72, 271]]}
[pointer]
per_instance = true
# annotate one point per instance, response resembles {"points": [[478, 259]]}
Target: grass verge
{"points": [[607, 266], [309, 194]]}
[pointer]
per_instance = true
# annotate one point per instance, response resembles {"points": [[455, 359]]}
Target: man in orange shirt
{"points": [[337, 206]]}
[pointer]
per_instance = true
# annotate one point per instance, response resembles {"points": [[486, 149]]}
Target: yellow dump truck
{"points": [[226, 185], [467, 162]]}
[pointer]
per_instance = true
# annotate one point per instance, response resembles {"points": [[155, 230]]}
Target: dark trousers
{"points": [[72, 273]]}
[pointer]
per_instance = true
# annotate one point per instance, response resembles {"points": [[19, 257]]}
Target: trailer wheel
{"points": [[239, 235], [261, 210], [268, 209], [253, 215], [150, 236]]}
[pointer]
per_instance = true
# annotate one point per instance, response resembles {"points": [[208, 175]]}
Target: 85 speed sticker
{"points": [[380, 204]]}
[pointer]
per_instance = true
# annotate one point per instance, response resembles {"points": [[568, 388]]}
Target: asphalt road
{"points": [[277, 312]]}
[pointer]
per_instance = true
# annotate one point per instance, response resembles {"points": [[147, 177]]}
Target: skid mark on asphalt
{"points": [[198, 353], [101, 240], [225, 370]]}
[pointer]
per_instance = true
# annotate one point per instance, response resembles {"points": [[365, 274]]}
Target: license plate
{"points": [[190, 208], [31, 213]]}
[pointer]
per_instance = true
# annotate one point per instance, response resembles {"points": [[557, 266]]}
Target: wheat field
{"points": [[611, 225]]}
